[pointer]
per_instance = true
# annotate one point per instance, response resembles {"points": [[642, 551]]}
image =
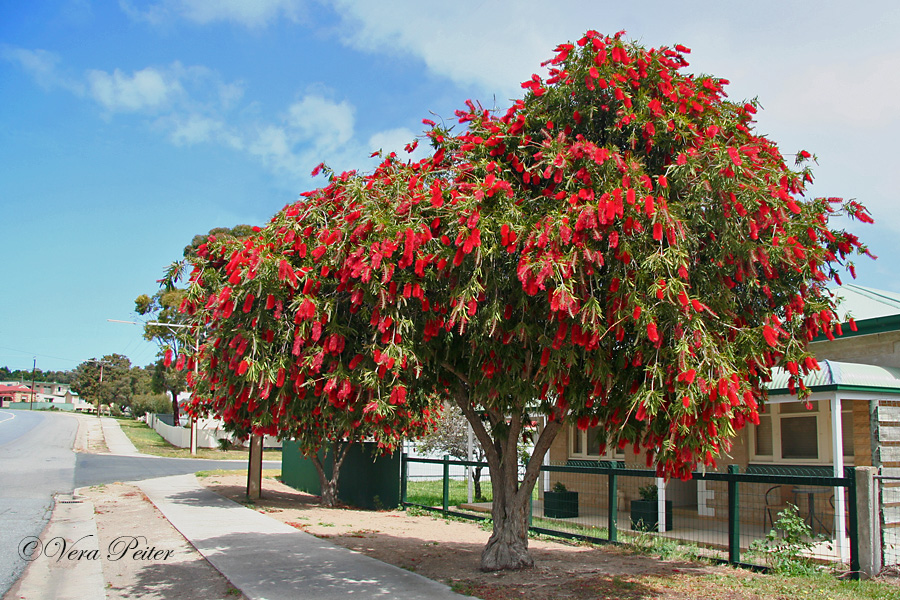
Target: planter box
{"points": [[645, 515], [560, 505]]}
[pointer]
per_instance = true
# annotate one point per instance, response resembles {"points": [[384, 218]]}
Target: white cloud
{"points": [[327, 125], [856, 94], [396, 140], [147, 89], [200, 129], [42, 65], [494, 45], [249, 13]]}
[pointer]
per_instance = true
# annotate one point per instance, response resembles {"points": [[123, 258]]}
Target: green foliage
{"points": [[559, 486], [142, 404], [787, 545], [648, 492], [25, 375], [118, 380]]}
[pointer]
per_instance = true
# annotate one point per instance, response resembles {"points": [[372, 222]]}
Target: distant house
{"points": [[50, 392], [13, 392]]}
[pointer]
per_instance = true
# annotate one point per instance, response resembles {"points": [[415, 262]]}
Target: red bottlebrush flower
{"points": [[318, 252], [242, 367], [317, 169], [545, 357], [354, 362], [657, 232], [688, 376], [270, 302], [637, 313], [168, 358], [771, 336], [248, 303], [682, 49], [652, 333], [686, 402]]}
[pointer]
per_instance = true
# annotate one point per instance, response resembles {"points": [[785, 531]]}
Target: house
{"points": [[853, 419], [13, 392], [46, 392]]}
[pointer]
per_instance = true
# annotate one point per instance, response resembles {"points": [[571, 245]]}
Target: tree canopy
{"points": [[617, 249], [168, 327]]}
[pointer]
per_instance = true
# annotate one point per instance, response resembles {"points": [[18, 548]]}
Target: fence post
{"points": [[865, 553], [446, 503], [734, 517], [613, 508], [404, 474]]}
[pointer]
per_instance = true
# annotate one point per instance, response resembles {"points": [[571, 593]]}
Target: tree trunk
{"points": [[476, 482], [175, 412], [328, 485], [254, 468], [507, 547]]}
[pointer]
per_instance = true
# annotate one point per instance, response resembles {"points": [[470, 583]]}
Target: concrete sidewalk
{"points": [[265, 558], [116, 440]]}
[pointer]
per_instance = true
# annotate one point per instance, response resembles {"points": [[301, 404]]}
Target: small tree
{"points": [[168, 327], [452, 437], [169, 334], [116, 385], [287, 353]]}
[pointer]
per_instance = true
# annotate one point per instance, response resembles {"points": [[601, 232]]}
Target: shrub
{"points": [[150, 403]]}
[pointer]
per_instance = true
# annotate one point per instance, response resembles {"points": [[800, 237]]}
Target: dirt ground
{"points": [[122, 513], [449, 551]]}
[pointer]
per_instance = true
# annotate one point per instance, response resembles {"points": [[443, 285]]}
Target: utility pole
{"points": [[33, 371], [100, 385]]}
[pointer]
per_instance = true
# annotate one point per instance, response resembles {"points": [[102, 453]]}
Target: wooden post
{"points": [[254, 470]]}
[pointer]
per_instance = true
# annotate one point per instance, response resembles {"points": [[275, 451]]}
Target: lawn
{"points": [[430, 492], [147, 441]]}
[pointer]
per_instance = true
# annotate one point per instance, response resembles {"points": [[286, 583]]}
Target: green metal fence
{"points": [[723, 516]]}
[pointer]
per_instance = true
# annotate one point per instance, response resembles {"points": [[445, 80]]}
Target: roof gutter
{"points": [[865, 327]]}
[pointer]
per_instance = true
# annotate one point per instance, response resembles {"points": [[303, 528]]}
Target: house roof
{"points": [[874, 311], [834, 376], [864, 303], [8, 389]]}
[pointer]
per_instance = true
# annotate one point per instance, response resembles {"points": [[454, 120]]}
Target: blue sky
{"points": [[128, 127]]}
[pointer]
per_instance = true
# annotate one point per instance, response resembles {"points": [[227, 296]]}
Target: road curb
{"points": [[65, 560]]}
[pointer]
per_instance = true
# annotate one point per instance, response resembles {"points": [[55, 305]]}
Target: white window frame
{"points": [[612, 453], [823, 432]]}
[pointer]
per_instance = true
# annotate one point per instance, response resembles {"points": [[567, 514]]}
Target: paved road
{"points": [[37, 461]]}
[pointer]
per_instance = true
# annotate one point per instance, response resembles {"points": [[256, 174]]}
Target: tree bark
{"points": [[476, 482], [254, 468], [176, 421], [507, 548], [329, 486]]}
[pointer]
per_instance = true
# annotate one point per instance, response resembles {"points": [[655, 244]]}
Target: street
{"points": [[37, 461]]}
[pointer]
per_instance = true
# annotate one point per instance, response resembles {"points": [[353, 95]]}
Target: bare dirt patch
{"points": [[162, 564], [449, 551]]}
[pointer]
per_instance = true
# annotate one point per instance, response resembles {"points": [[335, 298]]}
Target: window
{"points": [[790, 432], [585, 445]]}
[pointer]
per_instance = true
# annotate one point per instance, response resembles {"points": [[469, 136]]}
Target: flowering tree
{"points": [[618, 249], [283, 354]]}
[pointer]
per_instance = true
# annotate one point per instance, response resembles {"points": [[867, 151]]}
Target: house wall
{"points": [[880, 349]]}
